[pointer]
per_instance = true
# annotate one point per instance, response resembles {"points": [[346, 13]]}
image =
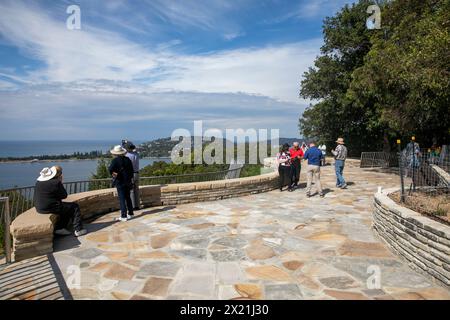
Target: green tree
{"points": [[372, 86], [346, 43], [406, 75], [102, 172]]}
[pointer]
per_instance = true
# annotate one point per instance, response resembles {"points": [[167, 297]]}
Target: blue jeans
{"points": [[123, 192], [339, 167]]}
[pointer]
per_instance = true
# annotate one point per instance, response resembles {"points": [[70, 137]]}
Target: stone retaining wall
{"points": [[33, 232], [423, 242]]}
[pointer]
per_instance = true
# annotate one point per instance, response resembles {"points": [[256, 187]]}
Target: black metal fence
{"points": [[425, 181]]}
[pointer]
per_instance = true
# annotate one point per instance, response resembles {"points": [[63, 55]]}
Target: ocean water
{"points": [[38, 148], [23, 174]]}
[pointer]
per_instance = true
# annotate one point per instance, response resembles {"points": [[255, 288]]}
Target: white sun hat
{"points": [[118, 150], [47, 174]]}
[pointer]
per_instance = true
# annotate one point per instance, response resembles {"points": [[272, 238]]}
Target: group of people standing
{"points": [[289, 165], [49, 191]]}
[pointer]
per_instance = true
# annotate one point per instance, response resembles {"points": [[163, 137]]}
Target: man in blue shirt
{"points": [[314, 157]]}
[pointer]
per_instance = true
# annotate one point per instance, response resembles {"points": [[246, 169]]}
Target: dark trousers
{"points": [[125, 200], [285, 176], [296, 168], [69, 211]]}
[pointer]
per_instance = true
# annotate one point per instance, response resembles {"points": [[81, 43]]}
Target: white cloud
{"points": [[88, 53], [92, 77], [94, 54], [80, 114], [270, 71]]}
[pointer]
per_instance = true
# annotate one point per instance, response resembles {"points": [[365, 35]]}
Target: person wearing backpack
{"points": [[121, 169]]}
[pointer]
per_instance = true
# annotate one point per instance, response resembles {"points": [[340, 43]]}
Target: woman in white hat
{"points": [[121, 169], [48, 195]]}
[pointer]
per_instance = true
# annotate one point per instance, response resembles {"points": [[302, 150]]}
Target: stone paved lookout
{"points": [[269, 245]]}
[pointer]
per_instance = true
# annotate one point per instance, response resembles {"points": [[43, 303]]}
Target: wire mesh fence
{"points": [[428, 174], [379, 160]]}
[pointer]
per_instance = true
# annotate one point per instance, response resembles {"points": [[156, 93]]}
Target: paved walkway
{"points": [[277, 245]]}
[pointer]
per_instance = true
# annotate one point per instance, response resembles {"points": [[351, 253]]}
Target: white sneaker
{"points": [[80, 233], [130, 217], [63, 232], [121, 219]]}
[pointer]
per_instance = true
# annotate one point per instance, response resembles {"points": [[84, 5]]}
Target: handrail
{"points": [[148, 177], [6, 222]]}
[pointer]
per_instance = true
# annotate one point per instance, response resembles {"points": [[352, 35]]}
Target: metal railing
{"points": [[4, 229], [21, 199]]}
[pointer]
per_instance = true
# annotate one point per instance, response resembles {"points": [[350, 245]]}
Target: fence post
{"points": [[7, 236], [400, 167]]}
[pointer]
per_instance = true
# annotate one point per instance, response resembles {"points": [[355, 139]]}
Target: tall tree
{"points": [[406, 75], [372, 86], [346, 43]]}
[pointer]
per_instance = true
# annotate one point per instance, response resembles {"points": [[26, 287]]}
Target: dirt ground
{"points": [[435, 205]]}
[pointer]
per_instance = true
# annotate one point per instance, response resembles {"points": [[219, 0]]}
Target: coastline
{"points": [[69, 160], [49, 160]]}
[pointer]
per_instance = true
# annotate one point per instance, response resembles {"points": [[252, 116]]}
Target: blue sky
{"points": [[140, 69]]}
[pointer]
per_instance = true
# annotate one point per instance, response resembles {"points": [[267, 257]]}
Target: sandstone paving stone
{"points": [[128, 286], [283, 292], [260, 252], [249, 290], [162, 240], [199, 268], [191, 254], [88, 253], [229, 273], [120, 295], [98, 237], [308, 283], [345, 295], [117, 255], [268, 273], [374, 292], [292, 264], [119, 272], [156, 286], [233, 242], [152, 255], [191, 242], [202, 285], [199, 226], [159, 268], [227, 292], [228, 255], [360, 248], [338, 282]]}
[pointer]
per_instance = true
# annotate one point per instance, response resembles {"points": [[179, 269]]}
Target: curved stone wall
{"points": [[33, 232], [423, 242]]}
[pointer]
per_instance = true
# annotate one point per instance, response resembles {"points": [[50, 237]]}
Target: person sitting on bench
{"points": [[48, 195]]}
